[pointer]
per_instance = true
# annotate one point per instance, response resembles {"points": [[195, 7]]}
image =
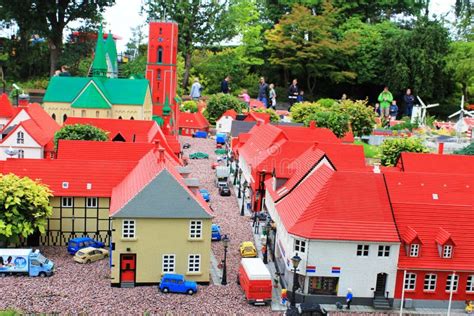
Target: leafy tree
{"points": [[336, 121], [300, 112], [361, 116], [80, 132], [24, 207], [392, 147], [460, 62], [274, 117], [326, 102], [468, 150], [50, 18], [189, 106], [219, 103]]}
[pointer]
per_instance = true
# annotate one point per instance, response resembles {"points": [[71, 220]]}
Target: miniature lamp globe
{"points": [[225, 241], [295, 260]]}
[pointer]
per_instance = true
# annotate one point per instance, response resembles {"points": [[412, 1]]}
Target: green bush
{"points": [[468, 150], [80, 132], [336, 121], [326, 102], [219, 103], [189, 106], [301, 111], [392, 147], [361, 116]]}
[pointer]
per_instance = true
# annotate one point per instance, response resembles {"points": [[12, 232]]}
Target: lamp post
{"points": [[242, 209], [295, 260], [267, 230], [236, 170], [240, 183], [225, 242]]}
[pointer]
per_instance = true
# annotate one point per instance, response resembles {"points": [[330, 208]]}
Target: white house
{"points": [[224, 123], [340, 224]]}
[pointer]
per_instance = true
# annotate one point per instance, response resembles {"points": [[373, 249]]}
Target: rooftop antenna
{"points": [[422, 113], [11, 152]]}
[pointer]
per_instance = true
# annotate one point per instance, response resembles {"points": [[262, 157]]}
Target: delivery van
{"points": [[24, 261], [256, 281]]}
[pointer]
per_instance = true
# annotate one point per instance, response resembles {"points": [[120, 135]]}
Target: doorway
{"points": [[127, 268], [380, 285]]}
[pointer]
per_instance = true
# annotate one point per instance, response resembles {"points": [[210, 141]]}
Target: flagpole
{"points": [[403, 292], [451, 293]]}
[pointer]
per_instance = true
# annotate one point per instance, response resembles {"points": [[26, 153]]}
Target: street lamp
{"points": [[240, 183], [225, 241], [295, 260], [236, 170], [242, 210], [267, 230]]}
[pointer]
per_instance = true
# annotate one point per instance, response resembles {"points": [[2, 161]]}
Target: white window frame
{"points": [[20, 137], [300, 246], [129, 229], [447, 251], [363, 250], [168, 263], [194, 263], [414, 250], [429, 284], [91, 202], [470, 284], [455, 285], [65, 199], [384, 251], [195, 229], [410, 281]]}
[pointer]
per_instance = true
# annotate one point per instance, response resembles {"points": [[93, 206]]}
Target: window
{"points": [[410, 281], [21, 153], [414, 250], [64, 118], [83, 113], [97, 114], [362, 250], [91, 202], [194, 263], [447, 251], [455, 282], [158, 74], [160, 55], [300, 245], [53, 116], [470, 284], [384, 251], [220, 126], [430, 282], [323, 285], [66, 201], [195, 229], [20, 138], [128, 228], [169, 262]]}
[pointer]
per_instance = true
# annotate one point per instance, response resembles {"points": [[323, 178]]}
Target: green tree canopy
{"points": [[391, 149], [219, 103], [460, 63], [80, 132], [24, 207], [468, 150], [189, 106]]}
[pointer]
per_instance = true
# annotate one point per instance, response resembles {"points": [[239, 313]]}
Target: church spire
{"points": [[99, 65]]}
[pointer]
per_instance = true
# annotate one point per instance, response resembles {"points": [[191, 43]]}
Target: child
{"points": [[273, 96], [393, 110], [246, 97], [377, 109], [300, 98]]}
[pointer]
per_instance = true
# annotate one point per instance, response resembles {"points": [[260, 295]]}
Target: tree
{"points": [[460, 63], [201, 23], [300, 112], [24, 207], [49, 19], [336, 121], [274, 117], [219, 103], [392, 147], [468, 150], [80, 132], [189, 106], [361, 117]]}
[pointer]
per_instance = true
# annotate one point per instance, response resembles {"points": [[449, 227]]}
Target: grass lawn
{"points": [[370, 151]]}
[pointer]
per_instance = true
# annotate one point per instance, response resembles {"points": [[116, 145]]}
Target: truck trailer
{"points": [[24, 261], [256, 281]]}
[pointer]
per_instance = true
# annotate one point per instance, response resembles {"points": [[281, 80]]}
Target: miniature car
{"points": [[218, 146], [248, 250], [261, 216], [214, 165], [307, 309], [90, 254], [186, 145], [199, 155], [221, 158], [76, 244], [216, 232], [205, 195], [224, 191], [220, 151], [175, 283], [200, 134]]}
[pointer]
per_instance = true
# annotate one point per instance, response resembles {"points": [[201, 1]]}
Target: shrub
{"points": [[219, 103], [301, 111], [468, 150], [361, 116], [326, 102], [336, 121], [189, 106], [80, 132], [392, 147]]}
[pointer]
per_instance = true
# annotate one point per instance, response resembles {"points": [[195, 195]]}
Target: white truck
{"points": [[24, 261], [222, 176]]}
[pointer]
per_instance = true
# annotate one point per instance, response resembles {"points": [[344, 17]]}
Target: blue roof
{"points": [[173, 276], [80, 239]]}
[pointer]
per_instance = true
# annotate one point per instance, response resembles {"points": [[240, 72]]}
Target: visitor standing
{"points": [[377, 109], [262, 92], [272, 95], [409, 102], [300, 97], [196, 90], [65, 71], [385, 99], [225, 85], [393, 110], [293, 93], [349, 298]]}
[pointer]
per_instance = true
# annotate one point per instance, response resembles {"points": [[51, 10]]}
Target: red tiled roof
{"points": [[192, 120], [312, 134], [437, 207], [6, 108], [230, 113], [418, 162], [258, 116], [339, 205], [262, 137], [410, 235], [173, 143]]}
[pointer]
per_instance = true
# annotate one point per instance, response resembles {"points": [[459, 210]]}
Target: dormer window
{"points": [[414, 250], [20, 138], [447, 251]]}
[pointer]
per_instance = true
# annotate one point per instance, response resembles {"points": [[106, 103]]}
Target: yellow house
{"points": [[163, 228]]}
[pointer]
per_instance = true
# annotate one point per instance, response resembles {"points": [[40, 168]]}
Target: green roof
{"points": [[111, 52], [158, 119], [91, 97], [117, 91], [166, 107], [163, 197], [99, 65]]}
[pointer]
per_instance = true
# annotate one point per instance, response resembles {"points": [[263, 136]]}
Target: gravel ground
{"points": [[77, 288]]}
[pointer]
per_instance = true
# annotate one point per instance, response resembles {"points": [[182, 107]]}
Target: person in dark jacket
{"points": [[393, 110], [293, 93], [225, 85], [409, 102], [262, 92]]}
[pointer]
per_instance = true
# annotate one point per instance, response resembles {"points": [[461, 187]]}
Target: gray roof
{"points": [[192, 182], [163, 197], [239, 127], [184, 169], [287, 124]]}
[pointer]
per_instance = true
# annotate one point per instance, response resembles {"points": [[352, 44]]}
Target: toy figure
{"points": [[469, 307], [284, 296], [349, 298]]}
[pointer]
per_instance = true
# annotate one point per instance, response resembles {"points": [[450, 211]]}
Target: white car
{"points": [[90, 254]]}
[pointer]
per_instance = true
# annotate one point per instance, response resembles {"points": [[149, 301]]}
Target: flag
{"points": [[310, 269], [336, 270]]}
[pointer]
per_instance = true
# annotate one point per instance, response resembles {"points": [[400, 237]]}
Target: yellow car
{"points": [[248, 250], [90, 254]]}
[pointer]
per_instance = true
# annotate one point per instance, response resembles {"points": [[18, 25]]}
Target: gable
{"points": [[163, 197], [28, 140], [19, 117], [91, 97]]}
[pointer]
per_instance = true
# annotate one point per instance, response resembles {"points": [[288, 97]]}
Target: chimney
{"points": [[161, 155], [376, 167], [23, 100], [440, 148], [312, 124], [258, 122]]}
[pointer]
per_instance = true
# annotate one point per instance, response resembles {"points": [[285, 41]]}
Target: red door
{"points": [[127, 268]]}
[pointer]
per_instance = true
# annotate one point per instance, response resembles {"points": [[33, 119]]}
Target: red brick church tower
{"points": [[161, 73]]}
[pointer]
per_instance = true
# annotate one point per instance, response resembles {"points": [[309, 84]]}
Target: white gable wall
{"points": [[30, 147], [20, 117], [224, 124]]}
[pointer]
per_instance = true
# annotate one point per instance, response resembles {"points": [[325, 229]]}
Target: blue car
{"points": [[216, 232], [175, 283], [200, 134], [205, 195], [76, 244], [220, 138]]}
